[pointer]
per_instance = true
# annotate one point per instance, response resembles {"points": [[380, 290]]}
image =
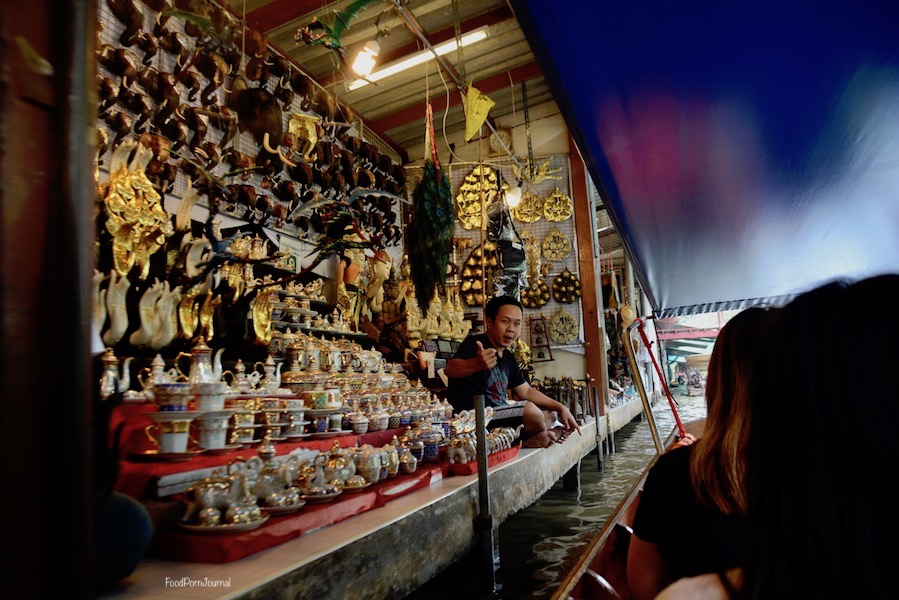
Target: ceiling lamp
{"points": [[418, 58], [365, 60]]}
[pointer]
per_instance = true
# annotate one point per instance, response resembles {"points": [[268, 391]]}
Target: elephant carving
{"points": [[306, 130], [461, 450], [218, 492]]}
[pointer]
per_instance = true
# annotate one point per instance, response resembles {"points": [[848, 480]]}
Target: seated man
{"points": [[484, 365]]}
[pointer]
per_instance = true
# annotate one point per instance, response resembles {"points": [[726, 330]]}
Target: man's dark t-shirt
{"points": [[491, 384]]}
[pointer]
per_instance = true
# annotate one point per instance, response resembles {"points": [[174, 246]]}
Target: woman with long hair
{"points": [[819, 522], [689, 519]]}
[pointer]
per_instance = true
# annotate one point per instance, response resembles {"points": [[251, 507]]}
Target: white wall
{"points": [[565, 363]]}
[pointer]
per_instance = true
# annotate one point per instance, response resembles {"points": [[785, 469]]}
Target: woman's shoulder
{"points": [[701, 587]]}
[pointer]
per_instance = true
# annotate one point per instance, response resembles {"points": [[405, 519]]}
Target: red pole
{"points": [[680, 426]]}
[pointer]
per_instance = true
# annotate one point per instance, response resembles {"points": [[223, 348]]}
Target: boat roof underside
{"points": [[746, 153]]}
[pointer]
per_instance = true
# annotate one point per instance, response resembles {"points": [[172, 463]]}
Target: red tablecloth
{"points": [[219, 548], [138, 478]]}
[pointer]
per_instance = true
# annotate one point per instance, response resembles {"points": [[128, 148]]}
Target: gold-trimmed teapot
{"points": [[203, 366]]}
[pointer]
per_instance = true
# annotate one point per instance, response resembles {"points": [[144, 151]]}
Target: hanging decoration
{"points": [[512, 276], [532, 252], [535, 295], [135, 217], [557, 207], [477, 106], [530, 209], [430, 234], [563, 327], [556, 245], [317, 33], [566, 287], [468, 201], [476, 280], [537, 174]]}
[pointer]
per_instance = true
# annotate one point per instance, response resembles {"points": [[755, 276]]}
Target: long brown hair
{"points": [[717, 465]]}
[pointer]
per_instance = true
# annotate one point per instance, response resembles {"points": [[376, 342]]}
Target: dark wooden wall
{"points": [[46, 172]]}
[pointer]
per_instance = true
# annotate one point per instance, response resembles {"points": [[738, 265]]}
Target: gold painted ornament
{"points": [[468, 201], [261, 307], [566, 287], [532, 254], [557, 206], [135, 217], [563, 327], [476, 287], [529, 209], [556, 245], [535, 295], [537, 174]]}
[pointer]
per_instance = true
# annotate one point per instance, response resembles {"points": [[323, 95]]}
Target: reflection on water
{"points": [[539, 544]]}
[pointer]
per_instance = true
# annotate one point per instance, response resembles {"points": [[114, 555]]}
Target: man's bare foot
{"points": [[539, 440]]}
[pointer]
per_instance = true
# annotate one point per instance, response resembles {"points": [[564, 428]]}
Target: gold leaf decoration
{"points": [[566, 287], [556, 245], [468, 200], [563, 327], [473, 283], [535, 295], [557, 206], [530, 209]]}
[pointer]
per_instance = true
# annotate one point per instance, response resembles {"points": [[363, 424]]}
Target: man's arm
{"points": [[484, 360], [526, 392]]}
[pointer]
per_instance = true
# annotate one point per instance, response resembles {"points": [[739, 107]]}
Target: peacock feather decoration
{"points": [[430, 235]]}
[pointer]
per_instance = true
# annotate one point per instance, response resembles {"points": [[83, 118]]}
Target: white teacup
{"points": [[209, 395], [172, 430], [213, 429]]}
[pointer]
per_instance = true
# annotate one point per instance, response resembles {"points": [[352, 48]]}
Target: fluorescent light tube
{"points": [[420, 57]]}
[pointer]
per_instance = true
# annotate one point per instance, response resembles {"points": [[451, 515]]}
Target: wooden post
{"points": [[596, 355], [46, 237]]}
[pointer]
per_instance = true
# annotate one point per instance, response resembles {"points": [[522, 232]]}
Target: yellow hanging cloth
{"points": [[477, 106]]}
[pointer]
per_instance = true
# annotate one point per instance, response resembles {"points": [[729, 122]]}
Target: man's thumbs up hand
{"points": [[486, 358]]}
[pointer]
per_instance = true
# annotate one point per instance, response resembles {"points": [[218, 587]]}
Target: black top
{"points": [[692, 539], [492, 384]]}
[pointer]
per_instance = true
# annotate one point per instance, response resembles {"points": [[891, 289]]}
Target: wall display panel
{"points": [[532, 224], [154, 84], [268, 192]]}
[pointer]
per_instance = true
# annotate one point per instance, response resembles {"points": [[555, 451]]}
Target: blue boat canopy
{"points": [[746, 151]]}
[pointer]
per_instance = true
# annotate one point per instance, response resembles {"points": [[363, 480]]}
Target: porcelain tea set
{"points": [[243, 494], [197, 396]]}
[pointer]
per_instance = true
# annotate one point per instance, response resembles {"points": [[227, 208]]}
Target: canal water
{"points": [[538, 545]]}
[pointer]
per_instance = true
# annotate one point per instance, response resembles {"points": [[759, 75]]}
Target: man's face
{"points": [[504, 329]]}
